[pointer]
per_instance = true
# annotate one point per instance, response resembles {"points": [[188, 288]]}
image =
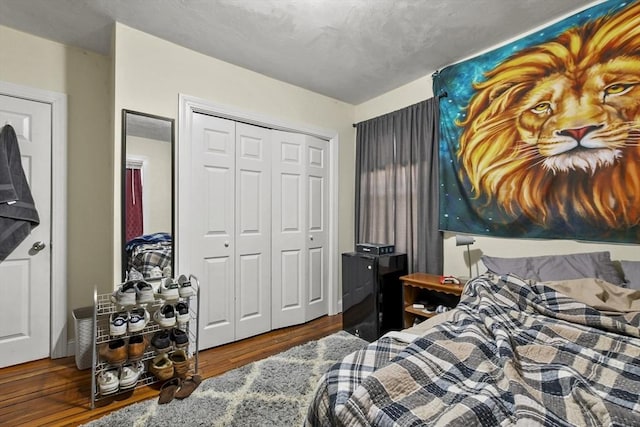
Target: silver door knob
{"points": [[38, 246], [311, 238], [226, 244]]}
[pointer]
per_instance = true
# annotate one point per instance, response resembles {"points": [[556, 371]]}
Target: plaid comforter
{"points": [[146, 256], [512, 353]]}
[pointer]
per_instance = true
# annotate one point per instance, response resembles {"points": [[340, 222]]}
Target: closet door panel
{"points": [[249, 289], [213, 226], [289, 253], [291, 276], [316, 275], [317, 175], [219, 300], [253, 230]]}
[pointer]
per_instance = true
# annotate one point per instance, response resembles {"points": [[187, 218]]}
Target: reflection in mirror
{"points": [[147, 196]]}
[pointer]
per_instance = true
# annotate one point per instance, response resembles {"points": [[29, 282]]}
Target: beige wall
{"points": [[84, 77], [455, 257], [150, 73], [409, 94]]}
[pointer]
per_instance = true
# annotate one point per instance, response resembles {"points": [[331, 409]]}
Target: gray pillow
{"points": [[631, 273], [557, 267]]}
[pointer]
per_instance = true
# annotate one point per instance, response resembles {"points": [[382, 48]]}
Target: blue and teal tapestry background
{"points": [[459, 210]]}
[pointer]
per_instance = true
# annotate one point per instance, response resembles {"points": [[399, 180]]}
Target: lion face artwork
{"points": [[552, 133]]}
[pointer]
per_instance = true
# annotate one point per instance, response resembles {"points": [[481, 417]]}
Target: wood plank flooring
{"points": [[55, 393]]}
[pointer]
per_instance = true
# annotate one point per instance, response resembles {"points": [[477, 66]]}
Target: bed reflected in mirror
{"points": [[147, 196]]}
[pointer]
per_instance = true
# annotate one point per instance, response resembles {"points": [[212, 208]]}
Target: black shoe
{"points": [[179, 337], [161, 341]]}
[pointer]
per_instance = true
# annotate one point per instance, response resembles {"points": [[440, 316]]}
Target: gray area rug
{"points": [[275, 391]]}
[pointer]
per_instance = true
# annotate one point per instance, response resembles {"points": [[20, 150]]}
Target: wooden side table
{"points": [[418, 286]]}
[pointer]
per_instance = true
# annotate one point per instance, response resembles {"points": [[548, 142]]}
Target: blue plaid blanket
{"points": [[511, 353]]}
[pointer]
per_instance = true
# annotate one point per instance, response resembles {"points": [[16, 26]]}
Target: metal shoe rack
{"points": [[103, 308]]}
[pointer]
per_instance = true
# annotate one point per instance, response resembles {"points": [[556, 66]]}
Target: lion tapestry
{"points": [[540, 138]]}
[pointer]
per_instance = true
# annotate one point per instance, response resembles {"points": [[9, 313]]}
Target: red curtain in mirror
{"points": [[133, 204]]}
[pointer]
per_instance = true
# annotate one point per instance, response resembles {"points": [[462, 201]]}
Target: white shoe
{"points": [[155, 273], [182, 312], [185, 288], [129, 375], [144, 292], [166, 272], [166, 316], [168, 289], [118, 323], [108, 382], [125, 295], [138, 319]]}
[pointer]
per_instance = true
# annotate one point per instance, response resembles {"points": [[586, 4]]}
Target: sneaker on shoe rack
{"points": [[168, 289], [114, 352], [165, 316], [179, 337], [108, 382], [182, 312], [161, 341], [138, 319], [185, 288], [137, 346], [118, 323], [129, 375], [144, 292], [161, 367], [125, 295], [166, 272]]}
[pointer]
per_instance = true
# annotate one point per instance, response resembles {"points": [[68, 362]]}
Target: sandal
{"points": [[188, 386], [168, 391]]}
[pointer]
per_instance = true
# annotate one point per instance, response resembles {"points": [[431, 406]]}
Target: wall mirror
{"points": [[147, 196]]}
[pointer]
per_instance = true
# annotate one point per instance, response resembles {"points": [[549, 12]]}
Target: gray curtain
{"points": [[397, 184]]}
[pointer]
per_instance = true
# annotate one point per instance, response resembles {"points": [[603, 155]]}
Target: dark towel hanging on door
{"points": [[18, 214]]}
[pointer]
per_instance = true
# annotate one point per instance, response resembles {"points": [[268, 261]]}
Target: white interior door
{"points": [[253, 230], [317, 223], [289, 237], [25, 276], [300, 236], [212, 226]]}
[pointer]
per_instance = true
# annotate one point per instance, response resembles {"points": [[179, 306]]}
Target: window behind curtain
{"points": [[397, 184]]}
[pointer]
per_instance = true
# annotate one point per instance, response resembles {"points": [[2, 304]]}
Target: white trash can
{"points": [[83, 319]]}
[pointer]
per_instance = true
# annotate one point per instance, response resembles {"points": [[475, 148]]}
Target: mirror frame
{"points": [[123, 166]]}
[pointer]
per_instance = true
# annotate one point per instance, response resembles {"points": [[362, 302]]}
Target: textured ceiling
{"points": [[351, 50]]}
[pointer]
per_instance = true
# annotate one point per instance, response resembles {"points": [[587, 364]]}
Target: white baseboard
{"points": [[71, 348]]}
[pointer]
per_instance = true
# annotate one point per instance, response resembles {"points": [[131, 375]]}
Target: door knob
{"points": [[38, 246], [311, 238], [226, 244]]}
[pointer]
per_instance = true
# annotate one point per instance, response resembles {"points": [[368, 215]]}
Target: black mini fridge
{"points": [[372, 293]]}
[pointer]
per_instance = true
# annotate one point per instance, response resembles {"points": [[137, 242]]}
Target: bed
{"points": [[515, 351], [149, 255]]}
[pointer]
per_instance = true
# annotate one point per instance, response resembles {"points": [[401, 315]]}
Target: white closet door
{"points": [[289, 237], [300, 229], [317, 223], [213, 216], [253, 230]]}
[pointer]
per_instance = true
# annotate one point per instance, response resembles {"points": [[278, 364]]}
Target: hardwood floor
{"points": [[55, 393]]}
